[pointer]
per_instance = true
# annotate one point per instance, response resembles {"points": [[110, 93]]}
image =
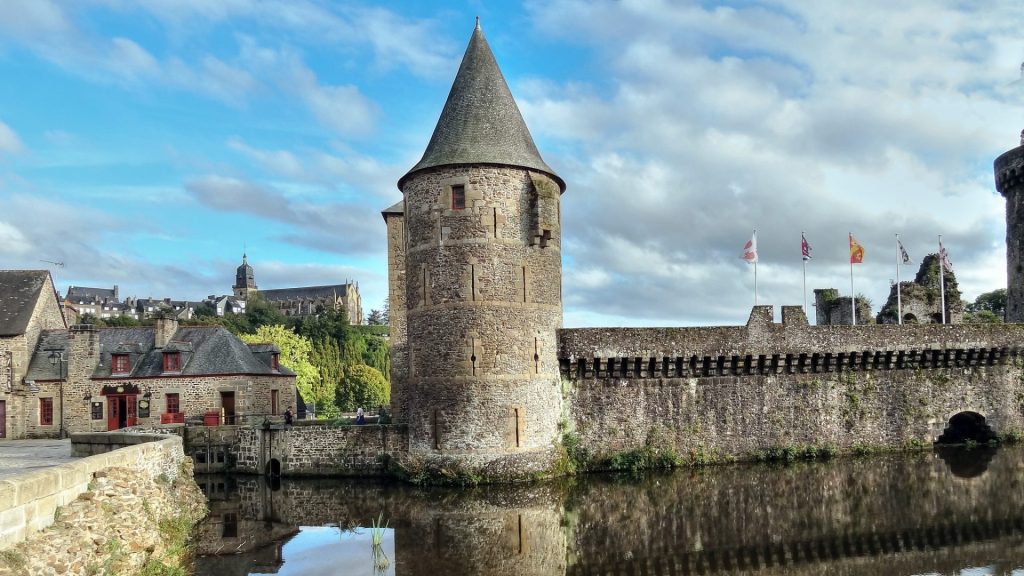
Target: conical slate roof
{"points": [[480, 122]]}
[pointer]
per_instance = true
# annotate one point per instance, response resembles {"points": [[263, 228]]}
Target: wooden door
{"points": [[113, 413], [132, 412], [227, 402], [3, 419]]}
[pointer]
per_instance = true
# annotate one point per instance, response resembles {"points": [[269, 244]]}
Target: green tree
{"points": [[994, 302], [366, 387], [377, 354], [259, 313], [296, 353], [327, 359], [122, 321]]}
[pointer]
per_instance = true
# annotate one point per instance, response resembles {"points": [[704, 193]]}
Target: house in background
{"points": [[86, 379], [29, 305]]}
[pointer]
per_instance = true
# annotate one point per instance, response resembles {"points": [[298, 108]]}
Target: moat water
{"points": [[950, 512]]}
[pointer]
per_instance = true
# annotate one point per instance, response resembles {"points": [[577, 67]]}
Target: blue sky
{"points": [[147, 143]]}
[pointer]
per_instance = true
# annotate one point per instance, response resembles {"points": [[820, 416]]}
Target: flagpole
{"points": [[853, 293], [942, 281], [899, 300], [804, 260], [755, 282]]}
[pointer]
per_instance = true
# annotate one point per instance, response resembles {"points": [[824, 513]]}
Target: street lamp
{"points": [[57, 359]]}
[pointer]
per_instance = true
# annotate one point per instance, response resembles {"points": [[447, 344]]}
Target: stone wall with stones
{"points": [[28, 501], [116, 526], [1009, 174], [735, 391], [483, 291], [397, 329], [319, 450]]}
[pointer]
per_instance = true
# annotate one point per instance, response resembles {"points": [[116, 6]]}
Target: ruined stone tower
{"points": [[480, 388], [1009, 169]]}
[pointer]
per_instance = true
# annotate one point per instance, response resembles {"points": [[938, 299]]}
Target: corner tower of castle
{"points": [[476, 375], [1009, 172]]}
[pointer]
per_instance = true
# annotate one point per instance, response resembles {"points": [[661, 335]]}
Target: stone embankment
{"points": [[125, 521]]}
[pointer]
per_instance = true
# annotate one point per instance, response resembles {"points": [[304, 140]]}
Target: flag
{"points": [[750, 249], [856, 251], [903, 252], [805, 248], [944, 256]]}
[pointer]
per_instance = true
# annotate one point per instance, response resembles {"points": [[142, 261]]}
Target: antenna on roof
{"points": [[60, 264]]}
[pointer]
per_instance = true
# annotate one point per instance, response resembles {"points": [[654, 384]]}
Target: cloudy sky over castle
{"points": [[146, 143]]}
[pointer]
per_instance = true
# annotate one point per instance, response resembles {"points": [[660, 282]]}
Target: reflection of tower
{"points": [[1009, 169], [245, 281], [482, 283]]}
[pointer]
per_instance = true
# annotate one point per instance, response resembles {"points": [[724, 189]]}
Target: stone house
{"points": [[85, 379], [29, 305]]}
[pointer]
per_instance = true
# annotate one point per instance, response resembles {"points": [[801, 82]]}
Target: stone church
{"points": [[303, 300]]}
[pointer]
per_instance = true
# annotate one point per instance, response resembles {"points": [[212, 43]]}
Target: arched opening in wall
{"points": [[909, 319], [966, 427], [273, 468], [936, 318]]}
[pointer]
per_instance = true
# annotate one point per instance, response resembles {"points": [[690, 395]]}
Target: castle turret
{"points": [[1009, 171], [482, 284], [245, 279]]}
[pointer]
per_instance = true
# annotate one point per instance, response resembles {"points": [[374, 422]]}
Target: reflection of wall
{"points": [[485, 531]]}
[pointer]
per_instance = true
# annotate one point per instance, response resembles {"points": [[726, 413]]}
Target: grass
{"points": [[380, 559], [14, 559]]}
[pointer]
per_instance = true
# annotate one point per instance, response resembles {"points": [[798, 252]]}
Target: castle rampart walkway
{"points": [[24, 456]]}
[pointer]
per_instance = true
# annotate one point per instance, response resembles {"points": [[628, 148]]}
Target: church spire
{"points": [[480, 122]]}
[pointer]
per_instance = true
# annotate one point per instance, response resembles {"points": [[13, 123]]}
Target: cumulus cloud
{"points": [[778, 116]]}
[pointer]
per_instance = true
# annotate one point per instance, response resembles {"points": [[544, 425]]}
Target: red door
{"points": [[3, 419], [113, 413]]}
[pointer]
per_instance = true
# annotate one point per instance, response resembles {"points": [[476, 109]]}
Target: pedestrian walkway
{"points": [[21, 456]]}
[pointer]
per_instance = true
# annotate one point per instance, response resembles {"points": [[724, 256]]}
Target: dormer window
{"points": [[120, 364], [275, 363], [172, 361]]}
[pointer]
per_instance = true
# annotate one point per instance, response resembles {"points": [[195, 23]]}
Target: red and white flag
{"points": [[750, 249], [805, 248], [944, 257]]}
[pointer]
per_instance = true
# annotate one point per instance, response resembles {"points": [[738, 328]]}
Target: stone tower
{"points": [[1009, 169], [482, 285], [245, 280]]}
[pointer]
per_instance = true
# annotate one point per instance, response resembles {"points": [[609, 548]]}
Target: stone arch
{"points": [[273, 468], [966, 426], [909, 319]]}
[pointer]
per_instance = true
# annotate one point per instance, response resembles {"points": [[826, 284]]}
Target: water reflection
{"points": [[930, 513]]}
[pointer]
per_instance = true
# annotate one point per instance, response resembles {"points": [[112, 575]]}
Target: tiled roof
{"points": [[19, 292], [205, 351], [87, 295], [480, 122], [396, 208]]}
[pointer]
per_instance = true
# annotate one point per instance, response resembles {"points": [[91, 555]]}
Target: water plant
{"points": [[380, 559]]}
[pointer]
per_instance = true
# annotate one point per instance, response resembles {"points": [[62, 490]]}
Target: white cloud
{"points": [[14, 242], [9, 141]]}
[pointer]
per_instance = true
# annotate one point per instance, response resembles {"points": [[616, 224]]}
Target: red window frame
{"points": [[173, 403], [172, 361], [120, 364], [46, 411], [458, 197]]}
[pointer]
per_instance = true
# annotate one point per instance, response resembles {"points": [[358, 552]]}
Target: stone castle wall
{"points": [[483, 303], [319, 450], [735, 391], [1009, 174], [397, 329]]}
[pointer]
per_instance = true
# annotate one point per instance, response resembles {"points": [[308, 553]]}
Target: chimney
{"points": [[115, 292], [165, 329], [83, 352]]}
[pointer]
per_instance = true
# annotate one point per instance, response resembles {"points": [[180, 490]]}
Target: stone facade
{"points": [[483, 299], [1009, 173], [394, 219], [921, 300], [734, 391], [831, 309], [17, 344], [319, 450]]}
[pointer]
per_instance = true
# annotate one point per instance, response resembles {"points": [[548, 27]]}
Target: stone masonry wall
{"points": [[483, 292], [320, 450], [734, 391], [396, 315], [1009, 174], [28, 501]]}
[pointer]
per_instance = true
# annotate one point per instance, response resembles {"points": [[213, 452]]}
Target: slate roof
{"points": [[19, 292], [87, 295], [396, 208], [205, 351], [480, 122], [305, 293]]}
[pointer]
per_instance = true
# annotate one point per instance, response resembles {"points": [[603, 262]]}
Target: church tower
{"points": [[245, 281], [480, 388], [1009, 170]]}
